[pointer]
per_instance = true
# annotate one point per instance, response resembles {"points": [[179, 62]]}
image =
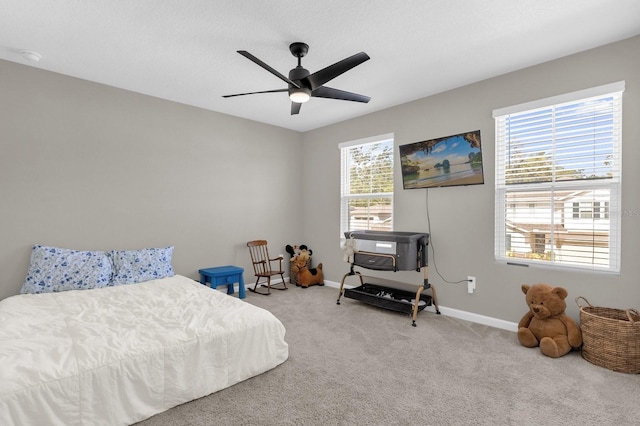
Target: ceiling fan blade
{"points": [[295, 108], [253, 93], [267, 67], [331, 93], [319, 78]]}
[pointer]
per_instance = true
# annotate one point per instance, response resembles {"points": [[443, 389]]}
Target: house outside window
{"points": [[367, 184], [558, 180]]}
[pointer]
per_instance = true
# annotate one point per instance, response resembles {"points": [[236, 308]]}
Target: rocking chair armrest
{"points": [[279, 258]]}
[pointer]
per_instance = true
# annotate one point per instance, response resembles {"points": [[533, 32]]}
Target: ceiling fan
{"points": [[303, 85]]}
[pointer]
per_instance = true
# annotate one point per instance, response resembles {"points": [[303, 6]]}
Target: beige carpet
{"points": [[355, 364]]}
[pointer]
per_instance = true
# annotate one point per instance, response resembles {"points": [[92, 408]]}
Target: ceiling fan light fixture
{"points": [[300, 95]]}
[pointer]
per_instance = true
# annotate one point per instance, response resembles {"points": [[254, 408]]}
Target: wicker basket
{"points": [[610, 337]]}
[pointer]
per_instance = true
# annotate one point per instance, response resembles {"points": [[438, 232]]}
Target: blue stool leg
{"points": [[230, 288], [241, 291]]}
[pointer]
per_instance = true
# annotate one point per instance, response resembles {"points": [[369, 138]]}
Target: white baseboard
{"points": [[477, 318], [456, 313]]}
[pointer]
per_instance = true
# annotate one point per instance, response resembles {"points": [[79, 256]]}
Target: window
{"points": [[558, 178], [587, 210], [367, 185]]}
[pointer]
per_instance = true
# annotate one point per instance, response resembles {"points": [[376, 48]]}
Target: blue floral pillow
{"points": [[54, 269], [135, 266]]}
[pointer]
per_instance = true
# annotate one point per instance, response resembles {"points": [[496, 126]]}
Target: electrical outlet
{"points": [[471, 284]]}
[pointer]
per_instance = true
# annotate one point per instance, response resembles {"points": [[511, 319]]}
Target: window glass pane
{"points": [[568, 142], [367, 187], [370, 213], [550, 229]]}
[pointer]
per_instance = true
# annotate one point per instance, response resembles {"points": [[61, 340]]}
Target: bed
{"points": [[120, 354]]}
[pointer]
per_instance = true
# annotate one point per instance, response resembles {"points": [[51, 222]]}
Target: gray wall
{"points": [[92, 167], [462, 219], [87, 166]]}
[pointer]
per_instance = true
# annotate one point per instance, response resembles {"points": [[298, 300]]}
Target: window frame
{"points": [[345, 198], [605, 210]]}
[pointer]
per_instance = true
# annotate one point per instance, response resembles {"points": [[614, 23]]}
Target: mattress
{"points": [[119, 355]]}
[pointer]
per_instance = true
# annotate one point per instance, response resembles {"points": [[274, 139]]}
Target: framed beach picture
{"points": [[448, 161]]}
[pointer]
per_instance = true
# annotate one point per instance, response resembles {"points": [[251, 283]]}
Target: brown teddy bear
{"points": [[546, 325], [306, 276]]}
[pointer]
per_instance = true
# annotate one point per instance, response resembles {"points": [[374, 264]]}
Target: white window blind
{"points": [[367, 185], [558, 178]]}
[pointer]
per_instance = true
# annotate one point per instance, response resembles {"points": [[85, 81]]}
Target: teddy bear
{"points": [[546, 324], [349, 248], [306, 276]]}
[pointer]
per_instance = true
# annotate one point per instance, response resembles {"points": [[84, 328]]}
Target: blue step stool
{"points": [[224, 275]]}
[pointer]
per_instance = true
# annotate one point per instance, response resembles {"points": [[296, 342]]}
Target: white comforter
{"points": [[119, 355]]}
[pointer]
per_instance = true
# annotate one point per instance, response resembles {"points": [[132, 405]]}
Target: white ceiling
{"points": [[185, 51]]}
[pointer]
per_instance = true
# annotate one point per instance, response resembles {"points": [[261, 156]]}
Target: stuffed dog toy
{"points": [[306, 276]]}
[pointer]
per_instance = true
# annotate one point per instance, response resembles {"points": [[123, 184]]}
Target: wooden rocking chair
{"points": [[262, 266]]}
